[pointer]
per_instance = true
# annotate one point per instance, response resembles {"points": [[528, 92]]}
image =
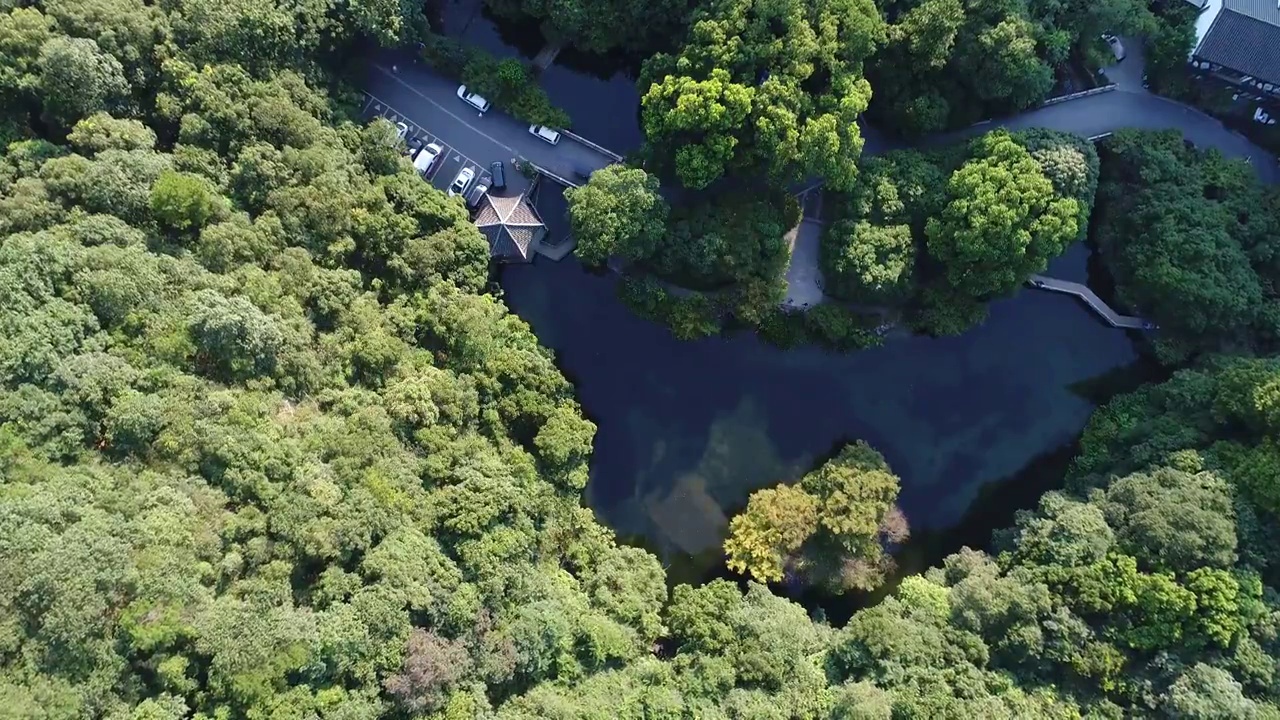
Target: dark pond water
{"points": [[688, 429], [976, 425]]}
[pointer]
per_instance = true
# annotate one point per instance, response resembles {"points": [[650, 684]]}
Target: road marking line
{"points": [[445, 110], [445, 148]]}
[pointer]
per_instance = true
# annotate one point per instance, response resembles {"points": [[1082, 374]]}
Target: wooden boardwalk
{"points": [[1112, 317]]}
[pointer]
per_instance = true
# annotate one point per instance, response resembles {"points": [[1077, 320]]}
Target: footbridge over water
{"points": [[1094, 302]]}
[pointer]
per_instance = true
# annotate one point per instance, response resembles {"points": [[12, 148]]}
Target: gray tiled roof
{"points": [[1265, 10], [508, 243], [510, 224], [1243, 42]]}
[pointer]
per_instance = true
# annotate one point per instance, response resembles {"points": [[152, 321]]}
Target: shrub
{"points": [[508, 84], [840, 328]]}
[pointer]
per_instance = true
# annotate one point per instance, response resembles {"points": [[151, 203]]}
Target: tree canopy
{"points": [[1191, 239], [947, 64], [619, 211], [268, 448], [1002, 220], [763, 86], [941, 233], [831, 528]]}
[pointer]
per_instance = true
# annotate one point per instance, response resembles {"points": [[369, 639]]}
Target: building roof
{"points": [[1246, 38], [1268, 11], [511, 225]]}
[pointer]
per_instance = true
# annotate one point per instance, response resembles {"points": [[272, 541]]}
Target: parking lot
{"points": [[451, 161]]}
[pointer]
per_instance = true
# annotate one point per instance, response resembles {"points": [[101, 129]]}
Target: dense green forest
{"points": [[943, 232], [270, 449]]}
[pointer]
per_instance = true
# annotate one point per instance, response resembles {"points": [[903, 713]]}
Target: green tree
{"points": [[783, 96], [183, 201], [125, 29], [699, 118], [77, 80], [619, 211], [1174, 520], [1204, 692], [1002, 222], [871, 263], [775, 523], [855, 492], [100, 132], [727, 239], [235, 338], [23, 32]]}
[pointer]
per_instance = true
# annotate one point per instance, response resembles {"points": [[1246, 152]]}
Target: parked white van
{"points": [[545, 133], [473, 99]]}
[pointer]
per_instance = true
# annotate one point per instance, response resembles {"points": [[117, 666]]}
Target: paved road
{"points": [[1127, 74], [1091, 116], [804, 284], [1101, 114], [430, 100], [450, 161]]}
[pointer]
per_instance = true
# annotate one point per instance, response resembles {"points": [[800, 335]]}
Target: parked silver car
{"points": [[477, 194]]}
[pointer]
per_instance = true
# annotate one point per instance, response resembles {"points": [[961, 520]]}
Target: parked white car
{"points": [[460, 183], [545, 133], [402, 130], [1117, 47], [427, 157], [473, 99]]}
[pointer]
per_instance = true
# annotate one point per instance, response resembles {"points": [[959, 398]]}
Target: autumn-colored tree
{"points": [[774, 525]]}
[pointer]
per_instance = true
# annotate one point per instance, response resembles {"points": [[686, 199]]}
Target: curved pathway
{"points": [[1101, 114], [1092, 116], [1129, 106]]}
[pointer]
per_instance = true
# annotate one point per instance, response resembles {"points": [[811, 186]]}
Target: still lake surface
{"points": [[687, 430]]}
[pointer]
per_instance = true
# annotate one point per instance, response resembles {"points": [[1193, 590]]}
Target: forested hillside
{"points": [[269, 448]]}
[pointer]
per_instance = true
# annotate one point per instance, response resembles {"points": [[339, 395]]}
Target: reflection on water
{"points": [[683, 505], [688, 430]]}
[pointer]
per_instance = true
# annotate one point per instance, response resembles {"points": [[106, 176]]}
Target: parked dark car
{"points": [[499, 175], [414, 145], [582, 174]]}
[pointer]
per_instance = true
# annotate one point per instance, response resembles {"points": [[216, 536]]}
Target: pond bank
{"points": [[688, 429]]}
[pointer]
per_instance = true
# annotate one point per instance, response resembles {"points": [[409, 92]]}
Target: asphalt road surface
{"points": [[430, 101], [450, 162], [1108, 112]]}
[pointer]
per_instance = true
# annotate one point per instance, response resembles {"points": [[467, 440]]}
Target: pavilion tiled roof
{"points": [[511, 225]]}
